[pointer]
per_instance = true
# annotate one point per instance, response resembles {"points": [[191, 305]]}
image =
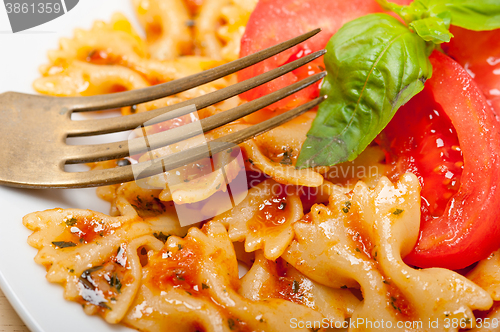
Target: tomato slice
{"points": [[421, 139], [275, 21], [479, 53], [448, 136]]}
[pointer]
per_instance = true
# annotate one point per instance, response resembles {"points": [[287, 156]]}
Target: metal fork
{"points": [[34, 128]]}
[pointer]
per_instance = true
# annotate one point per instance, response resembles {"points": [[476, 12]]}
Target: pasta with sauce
{"points": [[334, 256]]}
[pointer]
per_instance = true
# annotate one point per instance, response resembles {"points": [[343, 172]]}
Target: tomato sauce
{"points": [[287, 288], [178, 268], [273, 214], [400, 303], [84, 230]]}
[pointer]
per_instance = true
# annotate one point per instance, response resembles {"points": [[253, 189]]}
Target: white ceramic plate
{"points": [[39, 303]]}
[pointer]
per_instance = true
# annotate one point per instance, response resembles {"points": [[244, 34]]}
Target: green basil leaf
{"points": [[389, 6], [432, 29], [409, 13], [478, 15], [375, 64]]}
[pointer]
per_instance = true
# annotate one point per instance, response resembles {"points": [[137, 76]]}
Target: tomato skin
{"points": [[469, 229], [479, 52], [275, 21]]}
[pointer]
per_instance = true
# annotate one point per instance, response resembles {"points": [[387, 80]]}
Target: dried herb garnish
{"points": [[231, 323], [71, 222], [64, 244], [162, 237], [84, 277], [287, 157], [398, 212], [116, 283], [347, 207], [295, 286]]}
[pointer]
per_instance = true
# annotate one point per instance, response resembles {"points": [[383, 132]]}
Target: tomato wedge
{"points": [[275, 21], [479, 53], [448, 122]]}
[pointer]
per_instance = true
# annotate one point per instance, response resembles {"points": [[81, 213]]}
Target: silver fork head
{"points": [[34, 128]]}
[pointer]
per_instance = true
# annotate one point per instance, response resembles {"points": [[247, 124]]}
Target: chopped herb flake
{"points": [[231, 324], [64, 244], [104, 305], [295, 287], [85, 277], [71, 222], [287, 157], [162, 237], [397, 212], [347, 207], [395, 306], [116, 283]]}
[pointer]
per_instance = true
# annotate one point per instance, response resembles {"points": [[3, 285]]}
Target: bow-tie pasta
{"points": [[360, 239]]}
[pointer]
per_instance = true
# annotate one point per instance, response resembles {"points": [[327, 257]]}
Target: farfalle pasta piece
{"points": [[269, 279], [86, 79], [490, 323], [264, 218], [366, 236], [110, 287], [235, 15], [260, 153], [104, 43], [389, 217], [206, 38], [367, 167], [166, 23], [486, 274], [93, 255], [275, 152], [193, 283], [191, 191], [155, 311], [111, 45], [97, 258]]}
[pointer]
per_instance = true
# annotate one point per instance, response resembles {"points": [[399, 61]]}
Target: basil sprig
{"points": [[376, 64]]}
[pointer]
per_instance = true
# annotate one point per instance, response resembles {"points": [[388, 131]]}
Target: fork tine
{"points": [[100, 152], [127, 98], [146, 169], [110, 125]]}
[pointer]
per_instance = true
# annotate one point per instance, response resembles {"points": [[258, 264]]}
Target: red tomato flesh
{"points": [[421, 139], [463, 228], [275, 21], [479, 53]]}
